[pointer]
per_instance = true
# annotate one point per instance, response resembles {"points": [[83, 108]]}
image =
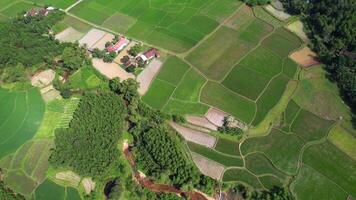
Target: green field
{"points": [[173, 70], [282, 42], [171, 25], [270, 97], [175, 106], [28, 163], [246, 82], [158, 94], [269, 182], [258, 164], [86, 78], [310, 184], [282, 149], [309, 126], [190, 86], [241, 175], [225, 160], [21, 115], [227, 147], [17, 8], [216, 95], [328, 160], [50, 190], [56, 3]]}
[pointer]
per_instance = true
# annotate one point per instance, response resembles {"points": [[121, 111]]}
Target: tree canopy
{"points": [[89, 145]]}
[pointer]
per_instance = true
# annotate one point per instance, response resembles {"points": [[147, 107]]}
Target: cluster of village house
{"points": [[122, 42], [143, 57]]}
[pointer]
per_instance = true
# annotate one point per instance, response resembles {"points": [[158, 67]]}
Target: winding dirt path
{"points": [[162, 188]]}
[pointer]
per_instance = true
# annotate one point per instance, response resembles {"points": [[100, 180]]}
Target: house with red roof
{"points": [[39, 11], [119, 45], [148, 55]]}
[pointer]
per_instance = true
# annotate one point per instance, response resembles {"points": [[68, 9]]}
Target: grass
{"points": [[258, 164], [265, 16], [282, 149], [270, 182], [50, 190], [227, 147], [328, 160], [289, 68], [5, 3], [190, 86], [246, 82], [175, 106], [86, 78], [216, 95], [320, 96], [218, 53], [282, 42], [22, 121], [51, 118], [17, 8], [343, 140], [273, 116], [270, 97], [173, 70], [227, 161], [263, 61], [158, 94], [309, 126], [310, 184], [220, 10], [241, 175], [255, 31], [56, 3], [76, 24], [20, 182], [119, 22], [72, 194]]}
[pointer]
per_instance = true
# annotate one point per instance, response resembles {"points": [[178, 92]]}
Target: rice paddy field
{"points": [[220, 54], [21, 114]]}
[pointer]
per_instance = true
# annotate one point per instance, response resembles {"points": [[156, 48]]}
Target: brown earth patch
{"points": [[305, 57], [111, 70]]}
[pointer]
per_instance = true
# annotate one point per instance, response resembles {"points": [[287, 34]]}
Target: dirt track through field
{"points": [[149, 184], [194, 135]]}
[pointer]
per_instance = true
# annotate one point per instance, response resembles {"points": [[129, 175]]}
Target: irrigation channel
{"points": [[161, 188]]}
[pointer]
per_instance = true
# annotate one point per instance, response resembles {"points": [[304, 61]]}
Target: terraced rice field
{"points": [[27, 167], [68, 113], [20, 116]]}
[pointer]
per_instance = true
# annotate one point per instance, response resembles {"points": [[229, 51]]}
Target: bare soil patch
{"points": [[108, 37], [194, 135], [241, 19], [216, 116], [202, 122], [208, 167], [69, 35], [69, 177], [281, 15], [111, 70], [43, 78], [305, 57], [92, 37], [147, 75], [88, 184]]}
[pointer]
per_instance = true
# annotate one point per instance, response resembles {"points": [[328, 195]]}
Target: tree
{"points": [[135, 50], [257, 2], [8, 194], [295, 7], [14, 74], [72, 58], [125, 59], [97, 53]]}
